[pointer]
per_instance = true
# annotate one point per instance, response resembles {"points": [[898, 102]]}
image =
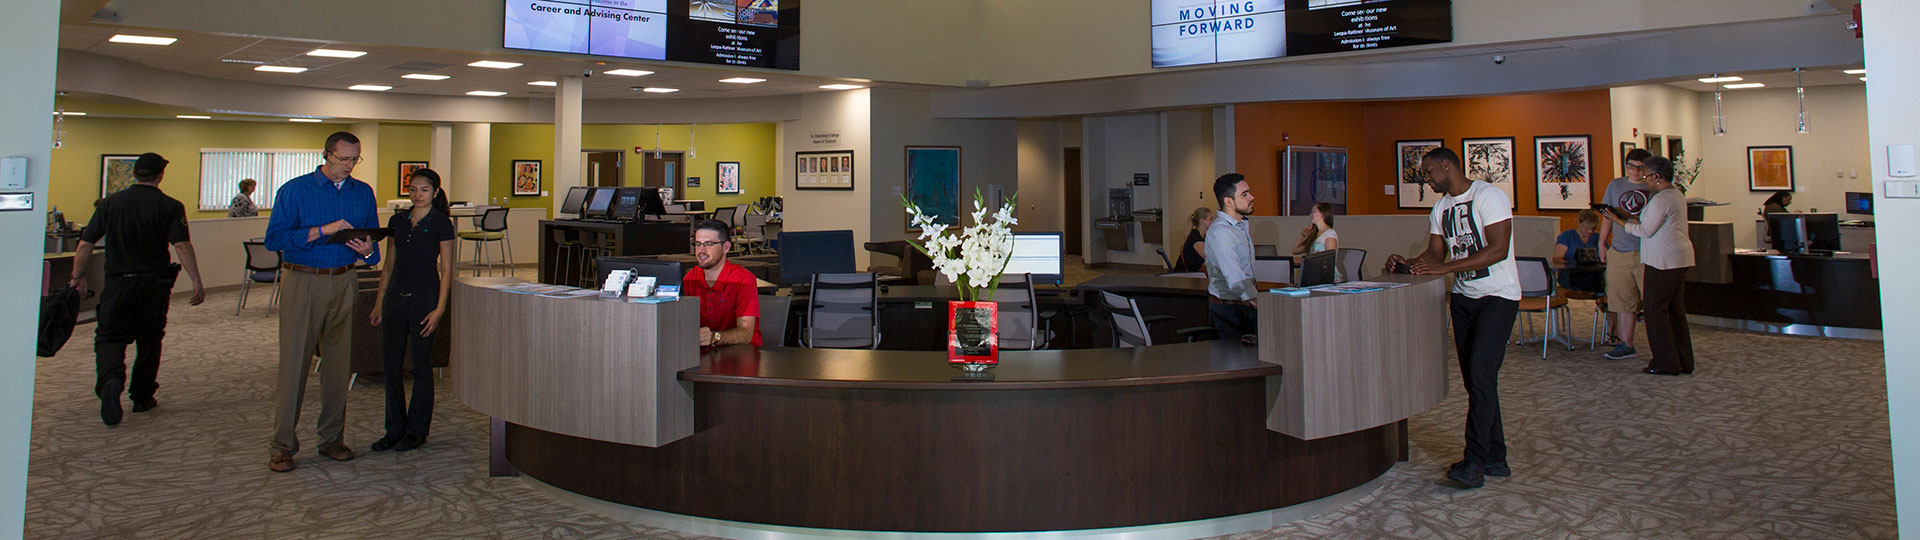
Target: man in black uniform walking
{"points": [[140, 221]]}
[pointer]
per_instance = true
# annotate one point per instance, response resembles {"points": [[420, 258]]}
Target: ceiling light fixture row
{"points": [[142, 40]]}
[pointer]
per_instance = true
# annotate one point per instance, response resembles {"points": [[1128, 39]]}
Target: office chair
{"points": [[841, 312], [493, 228], [1164, 259], [1020, 316], [1276, 269], [1351, 261], [773, 319], [1537, 295], [262, 266]]}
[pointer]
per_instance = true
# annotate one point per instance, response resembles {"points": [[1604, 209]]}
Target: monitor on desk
{"points": [[1799, 233], [626, 204], [805, 253], [652, 201], [599, 203], [663, 272], [1318, 268], [576, 198], [1037, 254], [1860, 203]]}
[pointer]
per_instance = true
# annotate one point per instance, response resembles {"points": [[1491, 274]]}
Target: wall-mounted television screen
{"points": [[753, 33], [1194, 32]]}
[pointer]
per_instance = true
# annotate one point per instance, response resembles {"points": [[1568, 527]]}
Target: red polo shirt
{"points": [[736, 294]]}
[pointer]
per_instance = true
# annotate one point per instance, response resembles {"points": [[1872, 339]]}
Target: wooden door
{"points": [[1076, 200], [603, 168], [668, 170]]}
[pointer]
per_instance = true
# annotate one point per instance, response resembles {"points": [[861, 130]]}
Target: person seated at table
{"points": [[729, 296], [1580, 247], [1319, 236], [1776, 204], [1191, 258]]}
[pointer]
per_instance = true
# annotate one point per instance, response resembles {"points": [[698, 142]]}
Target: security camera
{"points": [[1499, 59], [587, 73]]}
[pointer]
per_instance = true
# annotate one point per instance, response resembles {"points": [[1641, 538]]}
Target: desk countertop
{"points": [[1018, 370]]}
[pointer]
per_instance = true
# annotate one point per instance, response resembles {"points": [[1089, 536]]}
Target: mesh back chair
{"points": [[754, 233], [1351, 261], [493, 228], [1164, 259], [724, 215], [1020, 315], [674, 214], [841, 312], [263, 266], [1599, 299], [1266, 250], [773, 319], [1129, 328], [1537, 295], [740, 213], [1273, 269]]}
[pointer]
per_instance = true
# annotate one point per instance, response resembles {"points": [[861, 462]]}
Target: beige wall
{"points": [[26, 95], [1895, 80], [902, 119], [1837, 143], [1042, 182], [847, 114], [1658, 109], [1190, 172]]}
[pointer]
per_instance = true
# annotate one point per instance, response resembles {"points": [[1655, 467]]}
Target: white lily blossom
{"points": [[973, 257]]}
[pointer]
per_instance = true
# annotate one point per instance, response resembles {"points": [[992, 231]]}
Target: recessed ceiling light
{"points": [[1717, 80], [336, 53], [370, 87], [491, 64], [840, 86], [279, 69], [628, 72], [1743, 85], [543, 83], [304, 120], [660, 90], [70, 113], [192, 117], [743, 80], [142, 40], [1855, 72], [1863, 79], [486, 93], [424, 77]]}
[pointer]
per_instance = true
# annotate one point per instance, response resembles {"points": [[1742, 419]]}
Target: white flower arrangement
{"points": [[973, 258]]}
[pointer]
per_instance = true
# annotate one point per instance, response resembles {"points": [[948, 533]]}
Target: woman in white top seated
{"points": [[1667, 253], [1319, 236]]}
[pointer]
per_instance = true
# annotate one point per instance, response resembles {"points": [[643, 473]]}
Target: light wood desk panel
{"points": [[1356, 361]]}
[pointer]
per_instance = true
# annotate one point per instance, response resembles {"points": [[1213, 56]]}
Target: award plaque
{"points": [[973, 334]]}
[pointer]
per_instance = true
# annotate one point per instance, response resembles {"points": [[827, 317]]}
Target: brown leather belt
{"points": [[337, 270], [1219, 300]]}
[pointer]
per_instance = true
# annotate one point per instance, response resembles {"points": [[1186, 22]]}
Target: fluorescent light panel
{"points": [[279, 69], [1863, 79], [1744, 85], [192, 117], [142, 40], [543, 83], [660, 90], [424, 77], [742, 80], [486, 93], [1855, 72], [304, 120], [840, 86], [70, 113], [336, 53], [628, 72], [1717, 80], [370, 87], [492, 64]]}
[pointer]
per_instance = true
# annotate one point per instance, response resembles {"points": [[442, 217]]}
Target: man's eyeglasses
{"points": [[353, 160], [716, 243]]}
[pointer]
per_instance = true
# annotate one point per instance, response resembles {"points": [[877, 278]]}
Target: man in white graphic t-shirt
{"points": [[1470, 236]]}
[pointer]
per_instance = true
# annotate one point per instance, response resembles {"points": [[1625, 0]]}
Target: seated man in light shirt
{"points": [[1230, 284]]}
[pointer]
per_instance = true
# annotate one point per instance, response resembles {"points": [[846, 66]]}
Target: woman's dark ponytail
{"points": [[439, 193]]}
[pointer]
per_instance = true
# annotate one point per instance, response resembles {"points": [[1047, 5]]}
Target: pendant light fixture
{"points": [[59, 126], [1719, 115], [1801, 90], [691, 150], [656, 141]]}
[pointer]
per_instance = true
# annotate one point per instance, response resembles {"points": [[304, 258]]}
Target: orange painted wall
{"points": [[1369, 130]]}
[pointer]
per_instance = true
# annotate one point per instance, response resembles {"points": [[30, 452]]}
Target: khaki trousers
{"points": [[315, 315]]}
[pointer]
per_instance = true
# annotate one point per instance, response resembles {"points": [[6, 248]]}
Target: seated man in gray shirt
{"points": [[1230, 284]]}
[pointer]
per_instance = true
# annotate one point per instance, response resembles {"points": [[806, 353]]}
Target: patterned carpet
{"points": [[1775, 436]]}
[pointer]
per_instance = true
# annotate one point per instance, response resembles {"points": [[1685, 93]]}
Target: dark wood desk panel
{"points": [[1781, 290], [1018, 370], [629, 239]]}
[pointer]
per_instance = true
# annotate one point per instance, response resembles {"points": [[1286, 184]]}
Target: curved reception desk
{"points": [[865, 440]]}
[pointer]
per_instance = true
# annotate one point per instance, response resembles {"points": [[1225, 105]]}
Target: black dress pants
{"points": [[1233, 320], [400, 331], [1481, 327], [1667, 332], [133, 310]]}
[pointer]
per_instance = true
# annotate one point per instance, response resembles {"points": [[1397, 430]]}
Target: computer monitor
{"points": [[626, 204], [599, 203], [805, 253], [663, 272], [651, 201], [1037, 254], [1860, 203], [1798, 233], [576, 198], [1318, 268]]}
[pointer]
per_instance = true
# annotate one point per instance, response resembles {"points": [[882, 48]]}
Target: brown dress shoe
{"points": [[282, 461], [337, 452]]}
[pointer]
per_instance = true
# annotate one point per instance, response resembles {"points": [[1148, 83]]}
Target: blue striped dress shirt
{"points": [[312, 201]]}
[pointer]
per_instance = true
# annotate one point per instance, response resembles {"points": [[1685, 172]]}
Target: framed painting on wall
{"points": [[831, 169], [116, 172], [407, 169], [1625, 148], [1564, 166], [1490, 160], [1411, 182], [933, 182], [727, 177], [1770, 168], [526, 177], [1314, 174]]}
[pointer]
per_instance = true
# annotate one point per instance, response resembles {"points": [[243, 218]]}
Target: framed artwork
{"points": [[1314, 174], [116, 172], [933, 182], [1653, 145], [693, 181], [1564, 166], [1625, 148], [728, 174], [526, 177], [1490, 160], [831, 169], [1675, 150], [407, 169], [1770, 168], [1412, 182]]}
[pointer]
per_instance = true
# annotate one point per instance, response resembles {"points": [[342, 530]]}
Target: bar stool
{"points": [[570, 252], [593, 245], [493, 228]]}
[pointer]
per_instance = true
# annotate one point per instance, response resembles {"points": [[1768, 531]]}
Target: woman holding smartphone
{"points": [[412, 300], [1667, 253]]}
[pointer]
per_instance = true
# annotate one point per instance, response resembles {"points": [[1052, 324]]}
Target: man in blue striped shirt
{"points": [[317, 288], [1230, 284]]}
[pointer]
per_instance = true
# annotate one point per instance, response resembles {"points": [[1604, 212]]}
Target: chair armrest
{"points": [[1150, 319], [1196, 332]]}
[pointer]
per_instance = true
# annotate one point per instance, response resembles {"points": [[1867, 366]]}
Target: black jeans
{"points": [[132, 310], [1481, 327], [1233, 320], [400, 330], [1667, 332]]}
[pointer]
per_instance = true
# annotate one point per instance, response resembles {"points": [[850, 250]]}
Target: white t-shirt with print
{"points": [[1461, 222]]}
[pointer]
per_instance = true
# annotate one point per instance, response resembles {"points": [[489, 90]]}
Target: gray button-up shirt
{"points": [[1230, 259]]}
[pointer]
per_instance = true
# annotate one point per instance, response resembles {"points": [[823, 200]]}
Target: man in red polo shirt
{"points": [[729, 295]]}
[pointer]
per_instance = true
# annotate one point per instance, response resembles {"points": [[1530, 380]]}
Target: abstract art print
{"points": [[1770, 168], [1490, 160], [405, 178], [728, 173], [1565, 168], [116, 172], [1407, 174], [526, 177], [933, 182]]}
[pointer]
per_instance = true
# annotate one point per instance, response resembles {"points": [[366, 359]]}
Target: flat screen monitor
{"points": [[1860, 203], [576, 198], [1037, 254], [651, 201], [1318, 268], [663, 272], [626, 203], [599, 203], [805, 253], [1798, 233]]}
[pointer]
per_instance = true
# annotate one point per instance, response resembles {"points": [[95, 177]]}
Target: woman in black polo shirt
{"points": [[413, 295]]}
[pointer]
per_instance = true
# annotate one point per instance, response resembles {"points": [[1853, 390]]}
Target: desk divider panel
{"points": [[1356, 361]]}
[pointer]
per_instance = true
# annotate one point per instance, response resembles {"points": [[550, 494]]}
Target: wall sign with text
{"points": [[753, 33], [1194, 32]]}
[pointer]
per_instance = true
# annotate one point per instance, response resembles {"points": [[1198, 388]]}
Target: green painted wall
{"points": [[398, 142], [75, 170], [752, 145]]}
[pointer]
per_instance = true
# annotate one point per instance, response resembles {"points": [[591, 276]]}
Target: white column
{"points": [[27, 42], [470, 168], [1892, 80], [440, 154], [566, 139]]}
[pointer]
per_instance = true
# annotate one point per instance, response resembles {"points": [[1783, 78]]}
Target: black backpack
{"points": [[58, 311]]}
